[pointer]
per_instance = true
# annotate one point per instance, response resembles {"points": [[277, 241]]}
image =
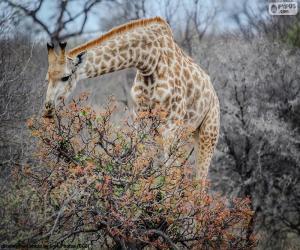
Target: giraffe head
{"points": [[61, 77]]}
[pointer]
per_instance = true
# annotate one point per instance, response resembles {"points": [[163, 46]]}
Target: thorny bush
{"points": [[108, 185]]}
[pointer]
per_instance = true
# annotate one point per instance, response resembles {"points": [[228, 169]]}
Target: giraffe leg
{"points": [[206, 138]]}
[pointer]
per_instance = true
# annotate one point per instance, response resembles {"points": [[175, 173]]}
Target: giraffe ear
{"points": [[79, 58]]}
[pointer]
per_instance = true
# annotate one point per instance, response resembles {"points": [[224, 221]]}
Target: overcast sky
{"points": [[222, 23]]}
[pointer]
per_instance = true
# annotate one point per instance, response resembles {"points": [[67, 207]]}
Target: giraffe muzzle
{"points": [[49, 110]]}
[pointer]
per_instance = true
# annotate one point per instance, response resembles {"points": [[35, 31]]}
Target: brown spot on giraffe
{"points": [[186, 74]]}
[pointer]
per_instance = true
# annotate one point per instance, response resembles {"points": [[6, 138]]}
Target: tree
{"points": [[195, 23], [63, 16], [253, 21], [259, 142]]}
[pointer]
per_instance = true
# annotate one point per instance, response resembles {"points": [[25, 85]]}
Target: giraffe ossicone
{"points": [[166, 77]]}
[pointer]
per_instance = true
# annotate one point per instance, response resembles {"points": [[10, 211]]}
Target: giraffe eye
{"points": [[65, 78]]}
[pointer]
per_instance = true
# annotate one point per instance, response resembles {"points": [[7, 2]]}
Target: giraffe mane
{"points": [[116, 31]]}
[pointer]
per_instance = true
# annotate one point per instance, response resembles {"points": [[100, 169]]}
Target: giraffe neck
{"points": [[139, 50]]}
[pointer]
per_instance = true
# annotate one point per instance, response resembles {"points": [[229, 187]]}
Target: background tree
{"points": [[65, 14], [253, 21], [259, 144]]}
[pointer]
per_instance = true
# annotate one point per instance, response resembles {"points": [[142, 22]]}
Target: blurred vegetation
{"points": [[293, 35]]}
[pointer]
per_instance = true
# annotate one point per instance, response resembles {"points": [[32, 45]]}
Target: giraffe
{"points": [[165, 76]]}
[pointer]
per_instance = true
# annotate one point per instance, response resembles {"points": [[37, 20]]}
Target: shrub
{"points": [[102, 184]]}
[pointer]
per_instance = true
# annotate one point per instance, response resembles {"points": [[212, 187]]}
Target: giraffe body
{"points": [[166, 78]]}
